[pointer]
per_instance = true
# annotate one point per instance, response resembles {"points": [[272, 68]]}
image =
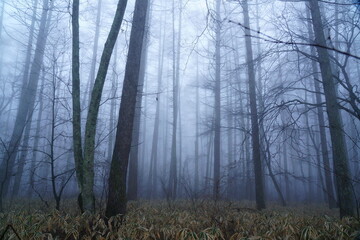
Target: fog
{"points": [[266, 101]]}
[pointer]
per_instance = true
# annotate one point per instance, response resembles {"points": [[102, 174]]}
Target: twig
{"points": [[9, 226], [268, 38]]}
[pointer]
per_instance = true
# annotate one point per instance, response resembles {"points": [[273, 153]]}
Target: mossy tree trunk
{"points": [[84, 158]]}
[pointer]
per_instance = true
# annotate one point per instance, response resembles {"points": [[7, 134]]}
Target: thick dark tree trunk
{"points": [[117, 181], [340, 156], [217, 90], [134, 152], [258, 170], [322, 129]]}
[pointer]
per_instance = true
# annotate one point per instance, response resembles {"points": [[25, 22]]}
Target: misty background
{"points": [[196, 49]]}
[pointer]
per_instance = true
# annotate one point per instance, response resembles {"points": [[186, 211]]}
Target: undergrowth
{"points": [[180, 220]]}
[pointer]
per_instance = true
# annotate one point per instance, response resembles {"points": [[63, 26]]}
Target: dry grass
{"points": [[183, 220]]}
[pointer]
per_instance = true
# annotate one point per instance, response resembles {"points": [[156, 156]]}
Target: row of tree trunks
{"points": [[25, 143], [26, 103], [152, 183]]}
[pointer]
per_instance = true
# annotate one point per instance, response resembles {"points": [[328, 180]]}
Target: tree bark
{"points": [[134, 152], [155, 139], [322, 129], [217, 92], [197, 134], [258, 170], [117, 181], [172, 187], [339, 150], [1, 29], [84, 159]]}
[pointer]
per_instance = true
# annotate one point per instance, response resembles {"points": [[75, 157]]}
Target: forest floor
{"points": [[180, 220]]}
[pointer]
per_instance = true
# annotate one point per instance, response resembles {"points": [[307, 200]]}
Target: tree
{"points": [[320, 117], [134, 153], [37, 136], [95, 52], [197, 135], [258, 170], [59, 177], [116, 203], [217, 114], [26, 103], [25, 142], [84, 157], [339, 150], [154, 148], [1, 29]]}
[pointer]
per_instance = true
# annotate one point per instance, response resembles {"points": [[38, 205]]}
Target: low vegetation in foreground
{"points": [[180, 220]]}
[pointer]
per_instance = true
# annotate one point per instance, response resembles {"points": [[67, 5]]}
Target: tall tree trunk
{"points": [[267, 159], [84, 160], [114, 89], [341, 168], [26, 103], [25, 74], [244, 155], [51, 153], [178, 59], [166, 131], [144, 148], [22, 159], [322, 129], [1, 29], [117, 181], [155, 138], [134, 152], [258, 170], [25, 143], [76, 108], [36, 137], [230, 168], [217, 90], [307, 149], [94, 54], [172, 187], [197, 156], [284, 142]]}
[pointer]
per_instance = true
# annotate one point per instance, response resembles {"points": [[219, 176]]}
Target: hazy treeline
{"points": [[236, 100]]}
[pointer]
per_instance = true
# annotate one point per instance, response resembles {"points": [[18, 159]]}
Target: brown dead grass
{"points": [[183, 220]]}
